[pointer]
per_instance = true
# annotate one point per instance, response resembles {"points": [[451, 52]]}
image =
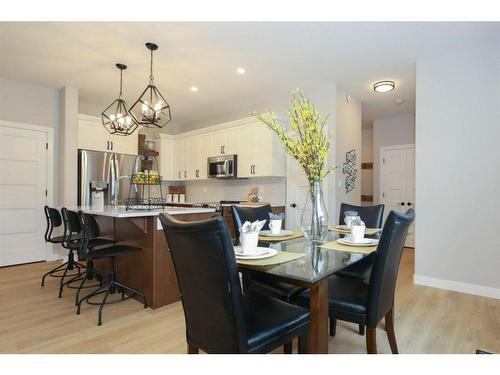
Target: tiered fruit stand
{"points": [[144, 182]]}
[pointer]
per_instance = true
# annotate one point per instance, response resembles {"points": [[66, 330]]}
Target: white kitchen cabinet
{"points": [[165, 147], [93, 136], [181, 158], [260, 152], [204, 155], [224, 142]]}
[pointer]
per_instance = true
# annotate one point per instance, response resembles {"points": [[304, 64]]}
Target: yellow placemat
{"points": [[368, 231], [281, 257], [295, 234], [335, 245]]}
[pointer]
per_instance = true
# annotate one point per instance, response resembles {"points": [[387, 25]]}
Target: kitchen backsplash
{"points": [[272, 189]]}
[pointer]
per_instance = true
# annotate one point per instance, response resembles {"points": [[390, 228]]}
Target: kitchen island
{"points": [[150, 270]]}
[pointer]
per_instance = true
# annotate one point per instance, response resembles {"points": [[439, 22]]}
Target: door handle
{"points": [[111, 145], [293, 205], [185, 174], [408, 203], [402, 203], [179, 174], [107, 148]]}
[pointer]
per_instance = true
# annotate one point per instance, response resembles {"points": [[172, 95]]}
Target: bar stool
{"points": [[54, 221], [112, 285], [73, 230]]}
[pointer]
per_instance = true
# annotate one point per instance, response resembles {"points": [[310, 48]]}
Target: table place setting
{"points": [[349, 217], [355, 240], [249, 253], [275, 233]]}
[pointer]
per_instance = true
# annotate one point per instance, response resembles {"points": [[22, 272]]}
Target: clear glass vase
{"points": [[314, 222]]}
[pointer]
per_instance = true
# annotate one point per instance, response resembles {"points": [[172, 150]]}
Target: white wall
{"points": [[389, 131], [367, 157], [347, 137], [29, 104], [457, 161]]}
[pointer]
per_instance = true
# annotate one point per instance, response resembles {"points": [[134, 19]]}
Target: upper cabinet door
{"points": [[194, 156], [231, 141], [181, 158], [92, 135], [165, 147], [217, 141], [125, 144], [204, 155]]}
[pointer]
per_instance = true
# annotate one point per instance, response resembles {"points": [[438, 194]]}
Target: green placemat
{"points": [[335, 245], [295, 234], [281, 257], [368, 231]]}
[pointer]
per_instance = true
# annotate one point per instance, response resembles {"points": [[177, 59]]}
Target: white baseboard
{"points": [[456, 286]]}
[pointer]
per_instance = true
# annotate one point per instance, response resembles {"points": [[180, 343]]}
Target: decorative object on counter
{"points": [[349, 169], [175, 198], [308, 144], [249, 236], [143, 182], [169, 198], [151, 109], [116, 118], [253, 196], [182, 198]]}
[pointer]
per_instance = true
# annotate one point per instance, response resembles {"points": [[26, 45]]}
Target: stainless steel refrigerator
{"points": [[107, 172]]}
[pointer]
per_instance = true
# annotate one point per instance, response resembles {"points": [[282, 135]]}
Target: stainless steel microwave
{"points": [[224, 166]]}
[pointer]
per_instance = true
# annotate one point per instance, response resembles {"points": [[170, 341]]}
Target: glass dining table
{"points": [[310, 271]]}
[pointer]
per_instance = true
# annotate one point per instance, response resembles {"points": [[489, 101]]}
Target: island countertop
{"points": [[121, 212]]}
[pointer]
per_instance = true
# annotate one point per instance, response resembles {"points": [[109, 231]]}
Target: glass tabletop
{"points": [[317, 264]]}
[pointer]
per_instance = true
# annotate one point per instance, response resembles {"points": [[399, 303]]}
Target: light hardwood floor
{"points": [[34, 320]]}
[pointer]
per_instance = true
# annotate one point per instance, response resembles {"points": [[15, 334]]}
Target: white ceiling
{"points": [[278, 57]]}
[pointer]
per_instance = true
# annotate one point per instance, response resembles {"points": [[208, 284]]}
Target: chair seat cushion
{"points": [[112, 251], [271, 322], [347, 299], [94, 242], [360, 269], [270, 287]]}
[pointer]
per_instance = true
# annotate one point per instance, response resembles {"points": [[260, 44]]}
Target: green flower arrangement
{"points": [[309, 141]]}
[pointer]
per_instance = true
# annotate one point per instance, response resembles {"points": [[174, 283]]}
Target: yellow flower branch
{"points": [[309, 142]]}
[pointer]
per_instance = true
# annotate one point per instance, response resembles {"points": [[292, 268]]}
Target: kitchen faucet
{"points": [[115, 190]]}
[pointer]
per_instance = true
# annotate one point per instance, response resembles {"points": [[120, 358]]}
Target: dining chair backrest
{"points": [[242, 214], [386, 265], [72, 226], [372, 216], [54, 220], [205, 264]]}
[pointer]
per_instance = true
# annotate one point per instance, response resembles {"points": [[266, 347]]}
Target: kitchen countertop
{"points": [[121, 212]]}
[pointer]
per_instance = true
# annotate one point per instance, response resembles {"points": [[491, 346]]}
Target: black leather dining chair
{"points": [[261, 283], [220, 318], [372, 216], [352, 300]]}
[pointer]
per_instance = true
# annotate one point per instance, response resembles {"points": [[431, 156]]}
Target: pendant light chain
{"points": [[151, 78], [121, 83]]}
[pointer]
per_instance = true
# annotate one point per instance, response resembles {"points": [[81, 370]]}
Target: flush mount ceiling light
{"points": [[240, 71], [151, 109], [384, 86], [117, 119], [194, 88]]}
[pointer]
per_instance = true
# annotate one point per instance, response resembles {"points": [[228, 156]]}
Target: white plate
{"points": [[364, 242], [261, 253], [268, 233]]}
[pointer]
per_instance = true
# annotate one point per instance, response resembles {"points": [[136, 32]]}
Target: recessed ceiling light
{"points": [[240, 71], [384, 86], [399, 101], [194, 88]]}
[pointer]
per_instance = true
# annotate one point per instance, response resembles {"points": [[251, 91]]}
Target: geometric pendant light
{"points": [[151, 109], [117, 119]]}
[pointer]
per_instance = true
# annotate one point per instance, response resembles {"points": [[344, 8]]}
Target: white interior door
{"points": [[23, 184], [296, 193], [397, 182]]}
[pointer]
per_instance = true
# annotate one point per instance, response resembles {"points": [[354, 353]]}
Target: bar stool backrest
{"points": [[54, 220], [72, 227]]}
